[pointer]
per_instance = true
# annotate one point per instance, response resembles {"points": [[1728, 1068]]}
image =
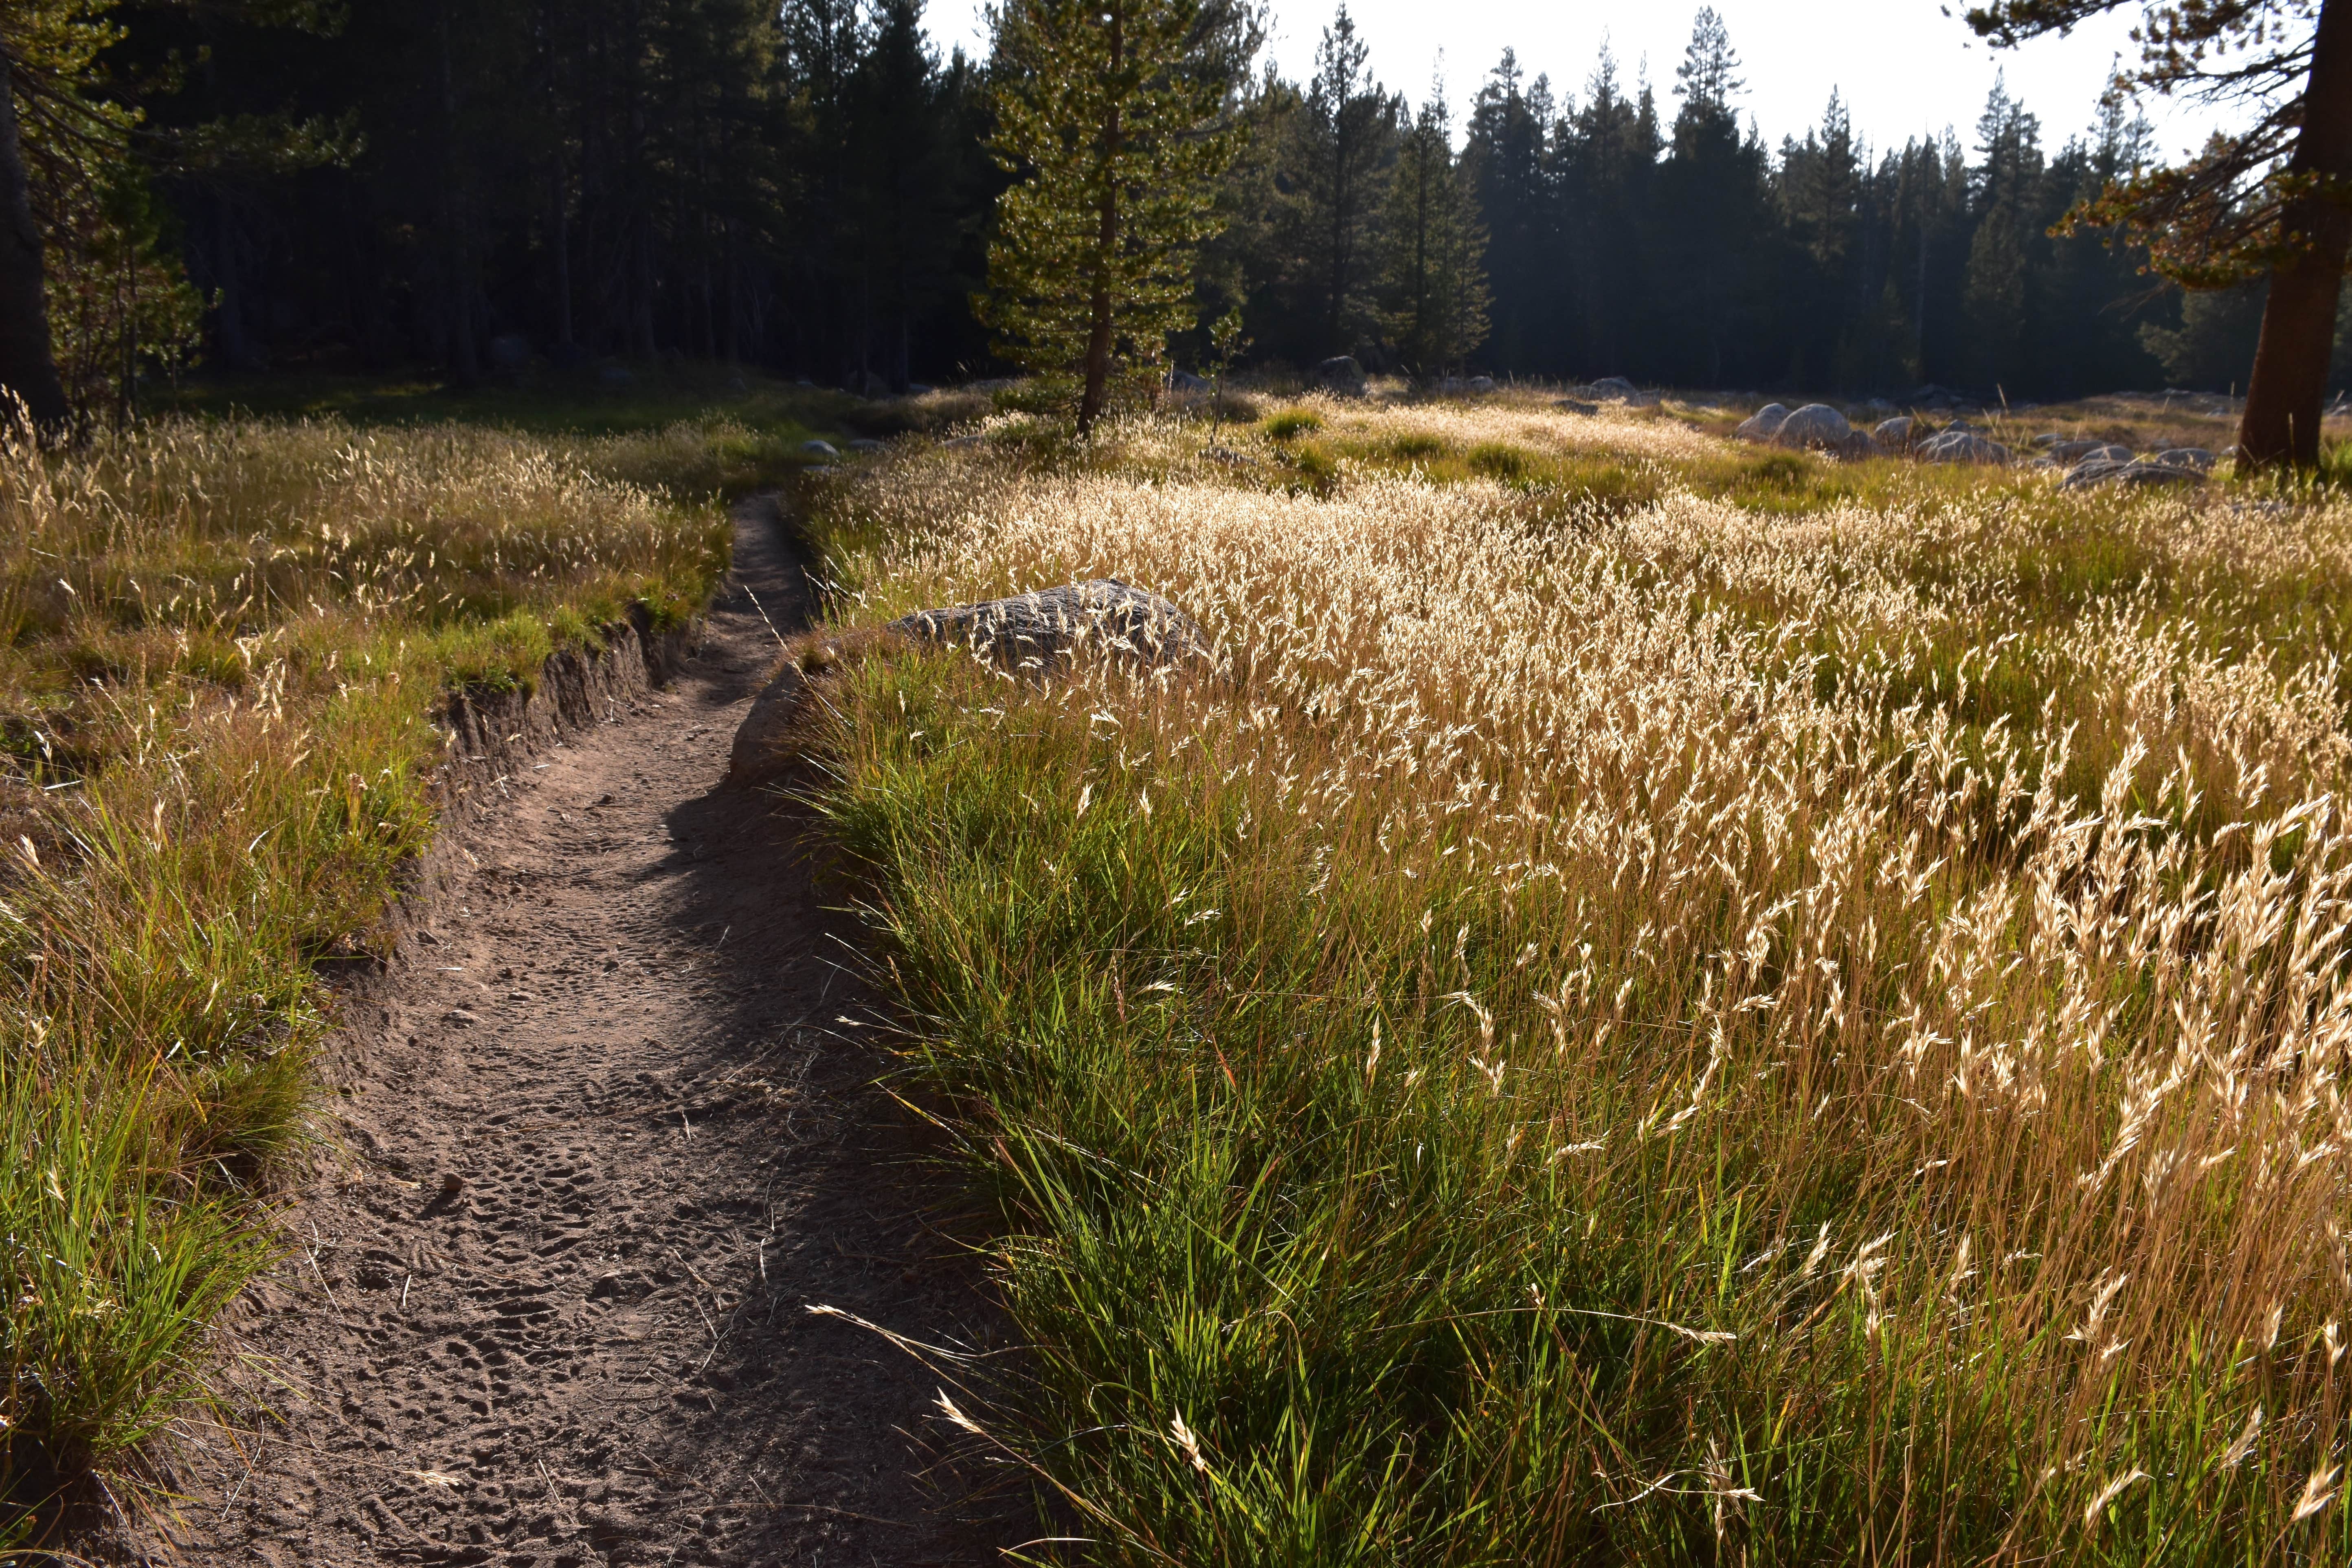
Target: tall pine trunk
{"points": [[27, 367], [1090, 405], [2289, 385]]}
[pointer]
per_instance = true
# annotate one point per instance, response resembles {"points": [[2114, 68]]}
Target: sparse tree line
{"points": [[811, 186]]}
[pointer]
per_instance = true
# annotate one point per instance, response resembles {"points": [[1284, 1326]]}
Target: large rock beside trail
{"points": [[2196, 458], [1764, 423], [1034, 630], [760, 754], [1031, 633], [1961, 446]]}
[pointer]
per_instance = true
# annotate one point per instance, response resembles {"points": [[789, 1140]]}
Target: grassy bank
{"points": [[222, 643], [1679, 1027]]}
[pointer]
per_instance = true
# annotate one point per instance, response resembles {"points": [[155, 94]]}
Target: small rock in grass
{"points": [[1764, 423], [1961, 446], [819, 450], [2105, 471], [2196, 458], [1572, 405]]}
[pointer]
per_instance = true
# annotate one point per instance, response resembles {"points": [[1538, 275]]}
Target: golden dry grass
{"points": [[1894, 945]]}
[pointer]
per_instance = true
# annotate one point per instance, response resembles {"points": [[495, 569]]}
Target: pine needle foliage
{"points": [[1112, 114]]}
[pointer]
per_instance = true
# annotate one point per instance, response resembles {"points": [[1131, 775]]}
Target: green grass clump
{"points": [[1292, 423], [223, 646]]}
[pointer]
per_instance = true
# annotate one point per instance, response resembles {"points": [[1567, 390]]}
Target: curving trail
{"points": [[613, 1138]]}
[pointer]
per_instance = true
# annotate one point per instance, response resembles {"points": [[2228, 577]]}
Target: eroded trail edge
{"points": [[615, 1132]]}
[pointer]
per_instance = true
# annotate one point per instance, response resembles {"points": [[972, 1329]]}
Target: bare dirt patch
{"points": [[615, 1131]]}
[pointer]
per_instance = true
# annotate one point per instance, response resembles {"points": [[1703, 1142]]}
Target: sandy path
{"points": [[612, 1141]]}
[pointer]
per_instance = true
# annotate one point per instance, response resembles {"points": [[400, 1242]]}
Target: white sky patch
{"points": [[1903, 66]]}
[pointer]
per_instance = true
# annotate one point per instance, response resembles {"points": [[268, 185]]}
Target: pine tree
{"points": [[1714, 215], [1507, 150], [1434, 281], [1347, 144], [1113, 116]]}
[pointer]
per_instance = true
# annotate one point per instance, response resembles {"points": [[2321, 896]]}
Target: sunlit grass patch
{"points": [[1793, 1008]]}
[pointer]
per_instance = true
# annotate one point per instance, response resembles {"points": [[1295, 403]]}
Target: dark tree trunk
{"points": [[27, 367], [465, 363], [2289, 385], [562, 248], [1097, 388]]}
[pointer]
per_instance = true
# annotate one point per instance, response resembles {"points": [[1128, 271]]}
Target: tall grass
{"points": [[222, 644], [1682, 1033]]}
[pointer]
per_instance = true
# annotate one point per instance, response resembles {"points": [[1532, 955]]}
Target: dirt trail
{"points": [[613, 1139]]}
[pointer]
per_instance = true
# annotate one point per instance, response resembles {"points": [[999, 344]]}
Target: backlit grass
{"points": [[1725, 1023]]}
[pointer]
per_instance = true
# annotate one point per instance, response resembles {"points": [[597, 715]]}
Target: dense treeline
{"points": [[809, 187], [802, 188]]}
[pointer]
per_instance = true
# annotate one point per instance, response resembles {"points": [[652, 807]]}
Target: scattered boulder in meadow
{"points": [[2138, 472], [2196, 458], [1894, 434], [1185, 380], [1033, 630], [1764, 423], [823, 450], [1478, 385], [868, 444], [1574, 405], [1818, 428], [1961, 446], [1617, 389], [2069, 453], [1342, 375], [1814, 427]]}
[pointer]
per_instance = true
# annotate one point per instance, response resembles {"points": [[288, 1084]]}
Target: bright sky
{"points": [[1904, 67]]}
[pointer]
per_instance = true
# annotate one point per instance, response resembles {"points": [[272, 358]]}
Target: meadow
{"points": [[1663, 1002], [223, 642]]}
